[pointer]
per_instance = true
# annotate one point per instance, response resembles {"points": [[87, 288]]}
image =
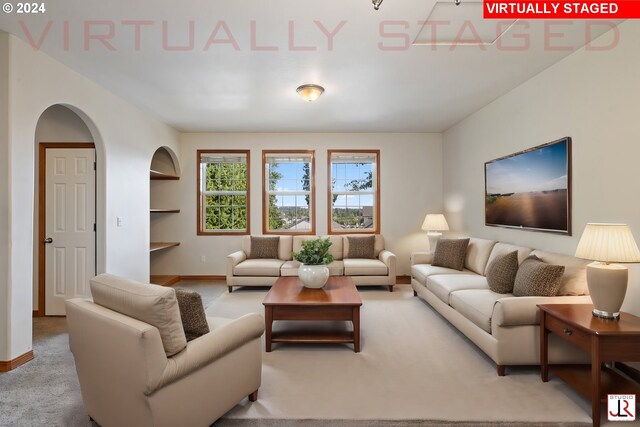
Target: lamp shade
{"points": [[435, 222], [608, 243]]}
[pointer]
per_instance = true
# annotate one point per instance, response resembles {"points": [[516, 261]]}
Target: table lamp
{"points": [[433, 224], [606, 244]]}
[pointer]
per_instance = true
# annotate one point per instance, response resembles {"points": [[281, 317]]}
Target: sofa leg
{"points": [[230, 288], [390, 288], [415, 294], [253, 396], [501, 370]]}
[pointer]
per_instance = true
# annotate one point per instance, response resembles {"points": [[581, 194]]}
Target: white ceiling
{"points": [[368, 89]]}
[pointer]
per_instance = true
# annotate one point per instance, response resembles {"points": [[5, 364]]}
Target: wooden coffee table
{"points": [[288, 299]]}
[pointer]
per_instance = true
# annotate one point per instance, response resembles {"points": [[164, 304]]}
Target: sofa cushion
{"points": [[264, 247], [501, 273], [290, 268], [258, 267], [500, 249], [152, 304], [421, 272], [574, 279], [476, 305], [443, 285], [194, 319], [361, 247], [478, 253], [336, 246], [285, 247], [537, 278], [364, 267], [451, 253], [378, 246], [297, 242]]}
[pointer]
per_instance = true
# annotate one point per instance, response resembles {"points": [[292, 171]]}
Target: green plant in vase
{"points": [[314, 257]]}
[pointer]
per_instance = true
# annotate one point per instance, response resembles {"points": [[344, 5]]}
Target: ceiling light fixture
{"points": [[376, 4], [310, 92]]}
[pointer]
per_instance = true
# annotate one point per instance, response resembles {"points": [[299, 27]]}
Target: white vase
{"points": [[313, 276]]}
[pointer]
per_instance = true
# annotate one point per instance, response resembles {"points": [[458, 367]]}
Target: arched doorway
{"points": [[67, 198]]}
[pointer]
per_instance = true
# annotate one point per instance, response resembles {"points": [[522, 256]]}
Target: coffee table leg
{"points": [[268, 312], [356, 329]]}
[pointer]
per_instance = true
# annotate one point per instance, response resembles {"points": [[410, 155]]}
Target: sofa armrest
{"points": [[389, 259], [233, 260], [421, 258], [210, 347], [515, 311]]}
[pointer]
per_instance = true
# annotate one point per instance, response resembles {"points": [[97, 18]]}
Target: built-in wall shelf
{"points": [[164, 280], [161, 175], [164, 210], [158, 246]]}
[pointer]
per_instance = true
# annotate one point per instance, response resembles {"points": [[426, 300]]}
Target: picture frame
{"points": [[531, 189]]}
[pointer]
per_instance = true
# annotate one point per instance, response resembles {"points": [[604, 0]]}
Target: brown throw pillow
{"points": [[537, 278], [194, 319], [361, 247], [264, 247], [451, 253], [501, 273]]}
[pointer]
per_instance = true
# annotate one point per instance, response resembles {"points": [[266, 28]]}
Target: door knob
{"points": [[48, 240]]}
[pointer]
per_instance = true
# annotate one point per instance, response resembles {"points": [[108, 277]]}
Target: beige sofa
{"points": [[133, 373], [242, 271], [505, 327]]}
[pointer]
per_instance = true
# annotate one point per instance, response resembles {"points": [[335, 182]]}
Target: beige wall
{"points": [[591, 96], [411, 186], [126, 139]]}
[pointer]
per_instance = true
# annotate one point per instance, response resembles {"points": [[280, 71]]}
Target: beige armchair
{"points": [[136, 369]]}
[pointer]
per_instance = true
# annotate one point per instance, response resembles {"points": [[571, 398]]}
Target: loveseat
{"points": [[503, 326], [242, 270]]}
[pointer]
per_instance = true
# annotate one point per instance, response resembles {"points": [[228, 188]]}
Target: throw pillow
{"points": [[361, 246], [451, 253], [501, 273], [264, 247], [194, 319], [537, 278]]}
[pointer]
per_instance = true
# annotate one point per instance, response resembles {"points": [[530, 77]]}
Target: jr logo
{"points": [[621, 407]]}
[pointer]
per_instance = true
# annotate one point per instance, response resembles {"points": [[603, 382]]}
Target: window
{"points": [[354, 192], [288, 202], [223, 192]]}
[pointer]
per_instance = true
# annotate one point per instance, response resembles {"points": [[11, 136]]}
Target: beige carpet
{"points": [[413, 366]]}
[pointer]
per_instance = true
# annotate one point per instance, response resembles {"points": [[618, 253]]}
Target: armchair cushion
{"points": [[194, 319], [152, 304]]}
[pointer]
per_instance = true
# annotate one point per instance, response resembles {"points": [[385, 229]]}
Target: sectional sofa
{"points": [[244, 271], [504, 326]]}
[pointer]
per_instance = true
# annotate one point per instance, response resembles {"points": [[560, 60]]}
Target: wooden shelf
{"points": [[579, 378], [164, 210], [162, 175], [164, 280], [313, 337], [158, 246]]}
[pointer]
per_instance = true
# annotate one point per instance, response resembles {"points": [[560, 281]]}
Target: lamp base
{"points": [[608, 287], [433, 240], [605, 314]]}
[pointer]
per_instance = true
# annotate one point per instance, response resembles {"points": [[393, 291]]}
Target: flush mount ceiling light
{"points": [[310, 92]]}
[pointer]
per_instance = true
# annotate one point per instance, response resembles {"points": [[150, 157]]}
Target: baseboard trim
{"points": [[403, 280], [203, 277], [18, 361]]}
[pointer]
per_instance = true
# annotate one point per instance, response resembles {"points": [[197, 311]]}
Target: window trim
{"points": [[377, 221], [312, 196], [199, 224]]}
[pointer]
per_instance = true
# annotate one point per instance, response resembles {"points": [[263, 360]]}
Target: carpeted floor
{"points": [[414, 369]]}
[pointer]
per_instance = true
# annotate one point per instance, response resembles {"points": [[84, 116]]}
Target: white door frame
{"points": [[42, 214]]}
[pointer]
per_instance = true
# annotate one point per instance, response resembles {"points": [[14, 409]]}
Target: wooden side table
{"points": [[605, 340]]}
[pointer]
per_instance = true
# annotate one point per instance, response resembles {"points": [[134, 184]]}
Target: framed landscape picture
{"points": [[531, 189]]}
